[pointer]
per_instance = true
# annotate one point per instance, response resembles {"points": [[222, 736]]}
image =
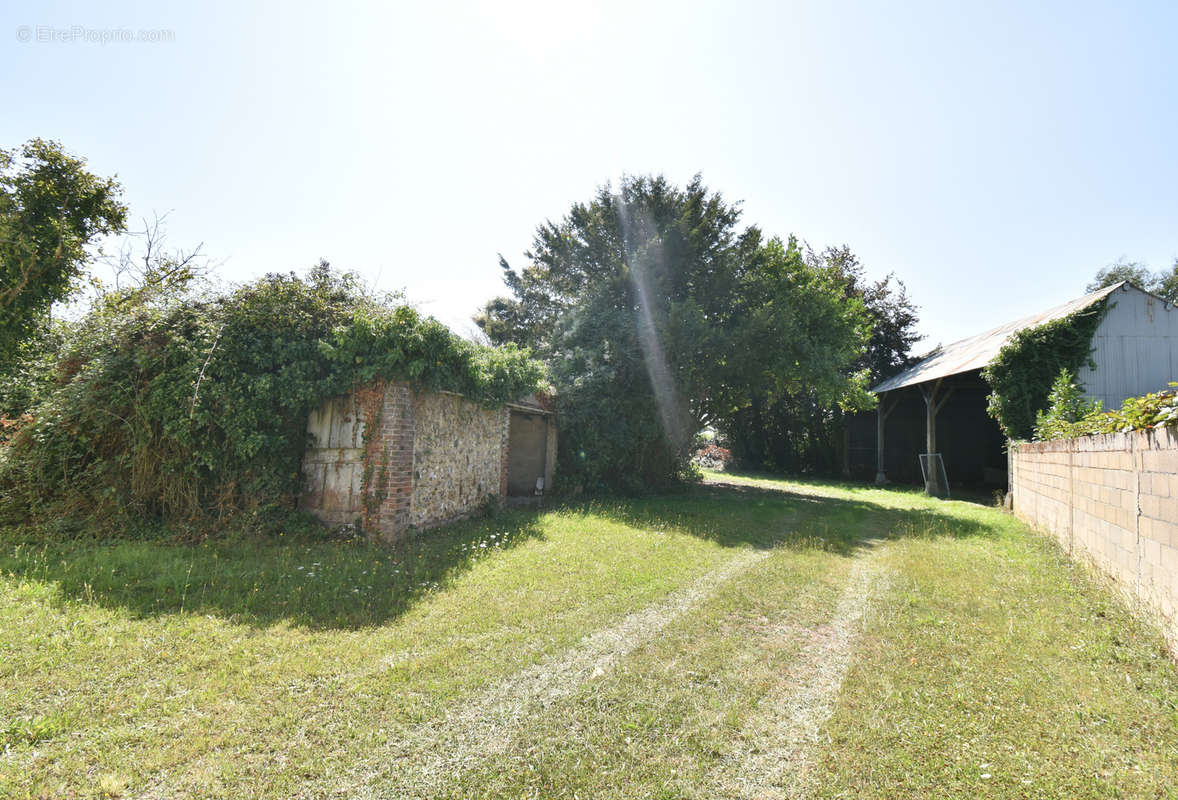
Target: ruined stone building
{"points": [[390, 459]]}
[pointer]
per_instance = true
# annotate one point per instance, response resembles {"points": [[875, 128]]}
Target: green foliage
{"points": [[1121, 270], [1154, 410], [1066, 406], [183, 405], [30, 373], [658, 315], [892, 314], [801, 431], [51, 210], [800, 331], [31, 730], [1023, 372], [1164, 284]]}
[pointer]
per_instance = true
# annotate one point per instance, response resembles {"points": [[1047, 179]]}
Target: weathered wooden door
{"points": [[528, 442]]}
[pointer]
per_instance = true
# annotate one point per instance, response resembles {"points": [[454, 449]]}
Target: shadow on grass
{"points": [[766, 517], [357, 584], [302, 581]]}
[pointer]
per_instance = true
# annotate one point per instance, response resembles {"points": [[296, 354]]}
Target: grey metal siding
{"points": [[1135, 348]]}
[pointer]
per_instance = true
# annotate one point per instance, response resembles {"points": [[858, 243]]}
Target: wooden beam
{"points": [[948, 394]]}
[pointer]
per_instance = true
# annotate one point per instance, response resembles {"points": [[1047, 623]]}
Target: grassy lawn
{"points": [[758, 638]]}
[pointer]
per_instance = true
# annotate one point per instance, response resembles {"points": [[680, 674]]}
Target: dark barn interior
{"points": [[968, 438]]}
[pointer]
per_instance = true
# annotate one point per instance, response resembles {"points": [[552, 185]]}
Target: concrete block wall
{"points": [[1112, 501]]}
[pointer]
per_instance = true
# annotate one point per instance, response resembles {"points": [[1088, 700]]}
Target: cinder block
{"points": [[1160, 461], [1169, 559], [1151, 553]]}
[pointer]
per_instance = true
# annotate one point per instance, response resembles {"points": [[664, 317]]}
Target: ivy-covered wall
{"points": [[1022, 373], [168, 403]]}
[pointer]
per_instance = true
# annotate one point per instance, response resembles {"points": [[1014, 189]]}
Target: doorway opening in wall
{"points": [[528, 454]]}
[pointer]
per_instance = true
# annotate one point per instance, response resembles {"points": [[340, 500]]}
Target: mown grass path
{"points": [[781, 735], [759, 638], [434, 752]]}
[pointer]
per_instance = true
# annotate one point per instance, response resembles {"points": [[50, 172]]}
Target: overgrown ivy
{"points": [[1070, 415], [192, 407], [1022, 374]]}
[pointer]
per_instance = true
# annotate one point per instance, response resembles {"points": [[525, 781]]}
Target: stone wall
{"points": [[457, 457], [1111, 501], [389, 460]]}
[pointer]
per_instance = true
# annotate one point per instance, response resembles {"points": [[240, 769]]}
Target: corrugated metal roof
{"points": [[978, 351]]}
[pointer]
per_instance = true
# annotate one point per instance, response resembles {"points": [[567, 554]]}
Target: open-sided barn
{"points": [[938, 406]]}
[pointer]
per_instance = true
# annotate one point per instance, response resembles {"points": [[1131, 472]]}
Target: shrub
{"points": [[713, 457], [1067, 406], [188, 406], [1071, 416], [1154, 410]]}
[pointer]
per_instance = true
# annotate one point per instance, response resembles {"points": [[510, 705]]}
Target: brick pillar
{"points": [[388, 458]]}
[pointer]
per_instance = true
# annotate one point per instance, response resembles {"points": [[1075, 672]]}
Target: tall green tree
{"points": [[802, 430], [893, 315], [659, 314], [1167, 283], [1164, 283], [51, 210]]}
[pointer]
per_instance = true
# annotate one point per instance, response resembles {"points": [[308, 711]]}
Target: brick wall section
{"points": [[392, 460], [1111, 501], [388, 463]]}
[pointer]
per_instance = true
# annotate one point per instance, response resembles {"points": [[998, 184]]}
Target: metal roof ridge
{"points": [[963, 351]]}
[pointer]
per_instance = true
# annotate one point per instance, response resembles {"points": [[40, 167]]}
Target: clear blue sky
{"points": [[994, 156]]}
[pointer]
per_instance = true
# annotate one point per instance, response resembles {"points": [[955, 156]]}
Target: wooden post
{"points": [[930, 418], [932, 479], [881, 417], [846, 450]]}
